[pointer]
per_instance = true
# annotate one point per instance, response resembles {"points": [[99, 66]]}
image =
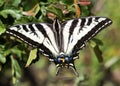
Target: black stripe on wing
{"points": [[89, 21], [22, 37]]}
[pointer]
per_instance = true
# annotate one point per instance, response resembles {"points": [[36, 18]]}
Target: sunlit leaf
{"points": [[2, 27], [95, 42], [32, 56], [92, 44], [14, 13], [43, 10], [2, 59]]}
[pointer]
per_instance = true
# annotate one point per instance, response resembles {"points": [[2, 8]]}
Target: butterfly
{"points": [[60, 42]]}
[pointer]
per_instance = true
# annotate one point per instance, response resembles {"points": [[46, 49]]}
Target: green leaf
{"points": [[2, 27], [16, 70], [53, 1], [2, 2], [29, 4], [14, 13], [32, 56], [16, 51], [95, 42], [2, 59], [56, 11], [43, 10], [85, 11], [98, 53], [16, 2], [23, 19], [68, 2], [2, 56]]}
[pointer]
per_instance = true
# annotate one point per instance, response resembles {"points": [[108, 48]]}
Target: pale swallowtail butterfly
{"points": [[60, 42]]}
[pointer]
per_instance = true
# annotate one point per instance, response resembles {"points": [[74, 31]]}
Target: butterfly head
{"points": [[65, 61]]}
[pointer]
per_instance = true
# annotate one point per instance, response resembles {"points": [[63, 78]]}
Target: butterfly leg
{"points": [[58, 70], [72, 66]]}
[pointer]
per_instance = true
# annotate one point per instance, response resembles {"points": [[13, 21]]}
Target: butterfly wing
{"points": [[39, 35], [77, 31]]}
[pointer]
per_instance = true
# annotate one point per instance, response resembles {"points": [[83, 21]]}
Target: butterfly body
{"points": [[61, 42]]}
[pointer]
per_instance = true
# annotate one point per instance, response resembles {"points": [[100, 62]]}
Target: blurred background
{"points": [[99, 62]]}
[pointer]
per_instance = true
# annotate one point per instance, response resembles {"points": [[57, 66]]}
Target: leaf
{"points": [[95, 42], [16, 70], [2, 56], [33, 11], [16, 2], [67, 2], [2, 2], [56, 11], [2, 27], [2, 59], [98, 53], [16, 51], [14, 13], [23, 19], [85, 11], [43, 10], [32, 56], [29, 4], [52, 1]]}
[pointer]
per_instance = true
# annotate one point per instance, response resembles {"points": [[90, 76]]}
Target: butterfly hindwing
{"points": [[77, 31], [39, 35]]}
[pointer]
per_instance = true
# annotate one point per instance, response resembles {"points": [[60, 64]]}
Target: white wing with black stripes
{"points": [[60, 42], [77, 31], [39, 35]]}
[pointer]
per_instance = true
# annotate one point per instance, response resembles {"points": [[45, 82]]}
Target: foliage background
{"points": [[14, 53]]}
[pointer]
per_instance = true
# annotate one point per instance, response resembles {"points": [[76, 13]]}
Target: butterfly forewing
{"points": [[39, 35], [77, 31]]}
